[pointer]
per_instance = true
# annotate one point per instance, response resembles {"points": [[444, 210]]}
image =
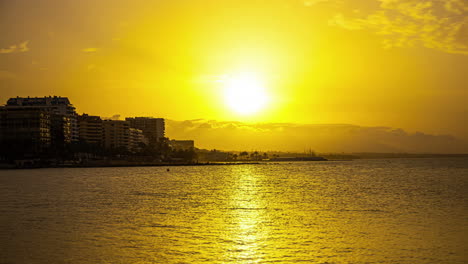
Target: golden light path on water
{"points": [[249, 229], [260, 224]]}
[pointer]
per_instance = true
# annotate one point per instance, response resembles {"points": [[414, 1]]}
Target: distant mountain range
{"points": [[210, 134]]}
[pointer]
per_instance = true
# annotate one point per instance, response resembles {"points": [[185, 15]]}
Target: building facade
{"points": [[54, 104], [136, 140], [90, 129], [153, 128], [61, 130], [25, 131], [116, 134]]}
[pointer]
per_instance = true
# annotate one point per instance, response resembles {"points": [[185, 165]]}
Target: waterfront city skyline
{"points": [[239, 136], [393, 72]]}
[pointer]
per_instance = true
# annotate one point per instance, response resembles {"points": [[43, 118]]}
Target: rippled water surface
{"points": [[365, 211]]}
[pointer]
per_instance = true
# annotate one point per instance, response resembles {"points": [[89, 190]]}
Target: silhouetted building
{"points": [[90, 129], [25, 132], [153, 128], [55, 105], [182, 144], [116, 134], [60, 130], [136, 140]]}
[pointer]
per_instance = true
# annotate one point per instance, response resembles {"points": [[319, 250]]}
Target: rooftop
{"points": [[38, 101]]}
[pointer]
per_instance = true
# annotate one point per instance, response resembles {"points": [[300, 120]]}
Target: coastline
{"points": [[37, 164], [123, 165]]}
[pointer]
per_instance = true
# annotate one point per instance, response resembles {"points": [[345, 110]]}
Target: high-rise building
{"points": [[90, 129], [55, 105], [60, 130], [136, 140], [116, 134], [25, 131], [153, 128]]}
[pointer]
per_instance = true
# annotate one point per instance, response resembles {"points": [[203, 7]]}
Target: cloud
{"points": [[88, 50], [212, 134], [435, 24], [21, 47]]}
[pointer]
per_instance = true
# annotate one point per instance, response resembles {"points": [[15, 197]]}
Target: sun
{"points": [[245, 93]]}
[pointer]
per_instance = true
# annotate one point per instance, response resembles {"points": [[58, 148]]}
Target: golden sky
{"points": [[395, 63]]}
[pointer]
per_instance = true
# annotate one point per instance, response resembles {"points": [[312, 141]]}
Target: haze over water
{"points": [[364, 211]]}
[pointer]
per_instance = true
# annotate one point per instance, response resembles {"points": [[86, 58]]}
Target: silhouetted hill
{"points": [[334, 138]]}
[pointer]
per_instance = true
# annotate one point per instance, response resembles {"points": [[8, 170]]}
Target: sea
{"points": [[361, 211]]}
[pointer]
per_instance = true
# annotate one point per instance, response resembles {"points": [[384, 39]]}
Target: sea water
{"points": [[362, 211]]}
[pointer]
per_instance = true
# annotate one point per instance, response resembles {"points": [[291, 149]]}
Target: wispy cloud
{"points": [[436, 24], [17, 48]]}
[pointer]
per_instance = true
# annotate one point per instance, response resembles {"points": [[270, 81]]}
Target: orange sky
{"points": [[396, 63]]}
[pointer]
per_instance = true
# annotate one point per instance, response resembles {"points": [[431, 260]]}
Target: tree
{"points": [[254, 155], [243, 155]]}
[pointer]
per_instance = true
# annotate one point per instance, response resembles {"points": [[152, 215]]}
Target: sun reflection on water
{"points": [[247, 213]]}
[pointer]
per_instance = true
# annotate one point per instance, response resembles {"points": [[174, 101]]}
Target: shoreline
{"points": [[37, 164], [9, 166], [123, 165]]}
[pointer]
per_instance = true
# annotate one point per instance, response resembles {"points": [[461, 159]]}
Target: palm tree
{"points": [[243, 154], [254, 155]]}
